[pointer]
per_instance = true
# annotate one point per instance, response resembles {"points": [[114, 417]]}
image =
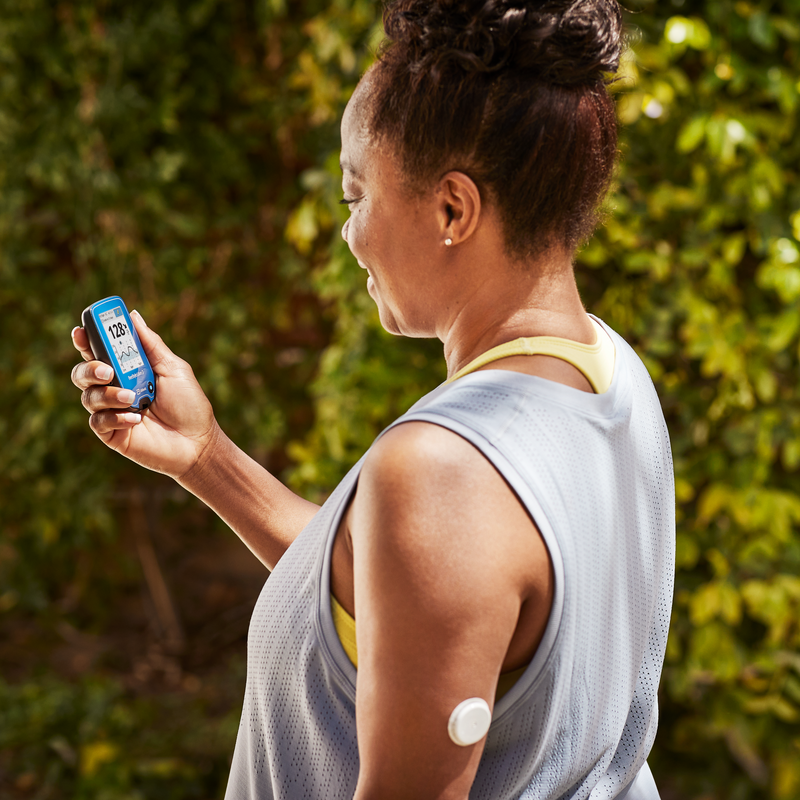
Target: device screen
{"points": [[121, 339]]}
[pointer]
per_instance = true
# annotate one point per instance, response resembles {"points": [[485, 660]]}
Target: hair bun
{"points": [[561, 41]]}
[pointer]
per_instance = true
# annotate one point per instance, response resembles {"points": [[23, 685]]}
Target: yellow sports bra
{"points": [[595, 361]]}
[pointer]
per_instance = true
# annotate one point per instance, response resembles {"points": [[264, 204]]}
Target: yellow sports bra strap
{"points": [[346, 628], [595, 361]]}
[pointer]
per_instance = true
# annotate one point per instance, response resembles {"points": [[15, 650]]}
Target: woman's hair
{"points": [[511, 92]]}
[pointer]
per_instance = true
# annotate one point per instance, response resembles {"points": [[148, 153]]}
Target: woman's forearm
{"points": [[265, 514]]}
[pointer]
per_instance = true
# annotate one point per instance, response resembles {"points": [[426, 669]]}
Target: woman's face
{"points": [[394, 236]]}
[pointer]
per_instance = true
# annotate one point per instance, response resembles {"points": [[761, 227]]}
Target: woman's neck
{"points": [[540, 299]]}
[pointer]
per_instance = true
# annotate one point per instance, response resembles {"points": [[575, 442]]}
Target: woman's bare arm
{"points": [[179, 436], [265, 515], [452, 586]]}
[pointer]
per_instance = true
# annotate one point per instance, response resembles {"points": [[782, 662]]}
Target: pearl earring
{"points": [[448, 241]]}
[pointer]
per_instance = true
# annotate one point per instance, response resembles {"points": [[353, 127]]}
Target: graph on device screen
{"points": [[121, 340]]}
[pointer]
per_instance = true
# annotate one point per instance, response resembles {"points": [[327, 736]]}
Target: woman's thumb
{"points": [[154, 347]]}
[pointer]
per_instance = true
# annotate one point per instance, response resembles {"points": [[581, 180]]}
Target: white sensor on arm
{"points": [[469, 722]]}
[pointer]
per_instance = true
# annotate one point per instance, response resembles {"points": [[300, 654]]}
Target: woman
{"points": [[510, 538]]}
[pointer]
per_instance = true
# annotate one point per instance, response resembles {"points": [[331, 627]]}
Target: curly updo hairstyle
{"points": [[514, 94]]}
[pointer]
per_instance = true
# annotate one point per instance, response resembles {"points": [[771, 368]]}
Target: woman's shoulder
{"points": [[418, 450], [432, 477]]}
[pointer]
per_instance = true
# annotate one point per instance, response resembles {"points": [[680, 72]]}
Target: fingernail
{"points": [[72, 332], [105, 372], [134, 418], [127, 396], [140, 316]]}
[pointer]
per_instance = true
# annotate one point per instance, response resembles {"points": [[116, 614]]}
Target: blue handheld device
{"points": [[114, 340]]}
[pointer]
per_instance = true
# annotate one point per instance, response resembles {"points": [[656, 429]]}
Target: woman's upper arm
{"points": [[441, 570]]}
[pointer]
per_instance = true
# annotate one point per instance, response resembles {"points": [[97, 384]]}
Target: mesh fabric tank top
{"points": [[595, 473]]}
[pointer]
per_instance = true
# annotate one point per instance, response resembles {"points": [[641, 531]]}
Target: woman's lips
{"points": [[370, 282]]}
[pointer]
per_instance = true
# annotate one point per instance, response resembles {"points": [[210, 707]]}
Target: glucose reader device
{"points": [[114, 341]]}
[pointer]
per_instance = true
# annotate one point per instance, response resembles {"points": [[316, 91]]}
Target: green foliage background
{"points": [[184, 154]]}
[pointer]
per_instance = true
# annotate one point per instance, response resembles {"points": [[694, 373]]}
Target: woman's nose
{"points": [[344, 229]]}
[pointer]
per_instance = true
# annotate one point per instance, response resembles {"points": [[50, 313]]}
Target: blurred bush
{"points": [[90, 741], [151, 150], [185, 155]]}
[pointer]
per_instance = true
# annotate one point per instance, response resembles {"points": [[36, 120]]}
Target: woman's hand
{"points": [[173, 433]]}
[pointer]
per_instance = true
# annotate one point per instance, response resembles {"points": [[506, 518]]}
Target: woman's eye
{"points": [[346, 202]]}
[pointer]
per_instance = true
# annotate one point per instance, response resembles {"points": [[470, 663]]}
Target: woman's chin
{"points": [[387, 319]]}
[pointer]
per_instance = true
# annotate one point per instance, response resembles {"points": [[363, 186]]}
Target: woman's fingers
{"points": [[91, 378], [97, 398], [105, 423], [80, 341], [91, 373]]}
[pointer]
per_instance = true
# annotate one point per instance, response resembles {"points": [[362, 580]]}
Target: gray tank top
{"points": [[595, 473]]}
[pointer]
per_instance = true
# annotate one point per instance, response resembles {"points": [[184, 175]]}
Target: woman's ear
{"points": [[458, 207]]}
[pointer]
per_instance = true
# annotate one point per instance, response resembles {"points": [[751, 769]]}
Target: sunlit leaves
{"points": [[706, 235], [726, 207], [692, 32]]}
